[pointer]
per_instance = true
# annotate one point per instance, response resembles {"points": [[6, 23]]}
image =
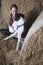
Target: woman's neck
{"points": [[14, 17]]}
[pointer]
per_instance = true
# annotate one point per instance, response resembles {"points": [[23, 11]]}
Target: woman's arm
{"points": [[11, 29]]}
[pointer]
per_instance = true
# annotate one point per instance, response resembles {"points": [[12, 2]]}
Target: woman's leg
{"points": [[12, 35], [18, 43], [5, 32]]}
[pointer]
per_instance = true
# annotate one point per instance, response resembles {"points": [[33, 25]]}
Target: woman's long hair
{"points": [[11, 20], [11, 17]]}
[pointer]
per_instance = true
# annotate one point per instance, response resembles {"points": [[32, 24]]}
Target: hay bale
{"points": [[12, 57], [7, 48], [32, 51], [1, 35], [2, 21], [2, 58], [11, 44], [26, 7]]}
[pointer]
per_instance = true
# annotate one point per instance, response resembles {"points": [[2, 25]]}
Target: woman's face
{"points": [[14, 11]]}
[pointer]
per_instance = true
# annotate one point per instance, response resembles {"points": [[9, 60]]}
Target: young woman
{"points": [[16, 25]]}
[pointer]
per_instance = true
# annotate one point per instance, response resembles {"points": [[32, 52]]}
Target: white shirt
{"points": [[15, 27]]}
